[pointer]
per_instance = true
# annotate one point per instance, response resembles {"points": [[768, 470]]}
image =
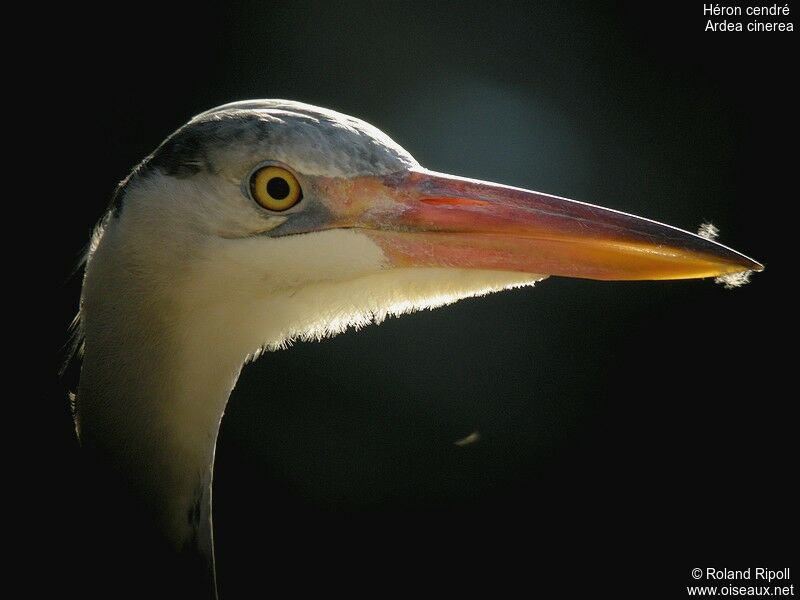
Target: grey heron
{"points": [[265, 221]]}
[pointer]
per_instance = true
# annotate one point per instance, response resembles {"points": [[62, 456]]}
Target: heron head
{"points": [[258, 198]]}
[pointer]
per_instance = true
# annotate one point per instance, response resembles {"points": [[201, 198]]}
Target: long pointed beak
{"points": [[423, 218]]}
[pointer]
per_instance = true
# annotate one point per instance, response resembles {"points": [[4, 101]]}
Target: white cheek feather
{"points": [[372, 298], [313, 286]]}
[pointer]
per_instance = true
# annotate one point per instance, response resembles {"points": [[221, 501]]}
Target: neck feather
{"points": [[155, 380]]}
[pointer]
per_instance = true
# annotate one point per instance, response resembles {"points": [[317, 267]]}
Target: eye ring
{"points": [[275, 188]]}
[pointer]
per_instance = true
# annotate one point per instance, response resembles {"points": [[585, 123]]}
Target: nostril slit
{"points": [[454, 201]]}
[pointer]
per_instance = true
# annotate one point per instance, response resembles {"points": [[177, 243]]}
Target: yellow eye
{"points": [[275, 188]]}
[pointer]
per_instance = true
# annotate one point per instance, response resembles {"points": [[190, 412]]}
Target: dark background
{"points": [[629, 431]]}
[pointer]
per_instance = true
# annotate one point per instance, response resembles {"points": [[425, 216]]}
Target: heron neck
{"points": [[154, 386]]}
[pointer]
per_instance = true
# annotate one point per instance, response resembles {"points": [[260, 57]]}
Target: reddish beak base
{"points": [[428, 219]]}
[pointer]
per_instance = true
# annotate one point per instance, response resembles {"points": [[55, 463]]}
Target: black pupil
{"points": [[278, 188]]}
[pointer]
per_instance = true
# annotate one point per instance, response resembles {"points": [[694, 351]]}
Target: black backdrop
{"points": [[629, 432]]}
